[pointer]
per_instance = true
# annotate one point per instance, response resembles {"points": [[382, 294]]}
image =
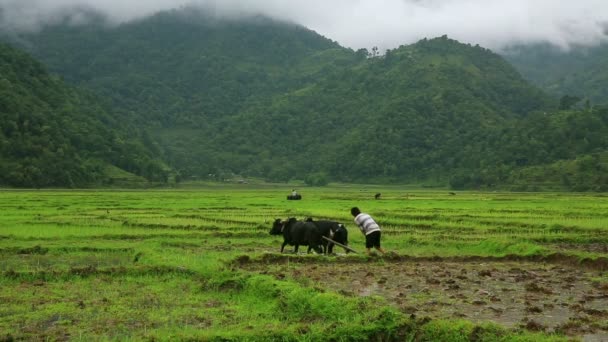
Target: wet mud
{"points": [[538, 296]]}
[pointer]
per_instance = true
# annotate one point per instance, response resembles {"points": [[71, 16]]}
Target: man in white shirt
{"points": [[369, 228]]}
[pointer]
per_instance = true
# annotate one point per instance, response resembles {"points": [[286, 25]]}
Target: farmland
{"points": [[200, 264]]}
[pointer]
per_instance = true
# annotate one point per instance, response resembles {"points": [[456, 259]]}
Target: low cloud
{"points": [[366, 23]]}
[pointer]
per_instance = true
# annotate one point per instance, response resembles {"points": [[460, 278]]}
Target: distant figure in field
{"points": [[294, 195], [377, 196], [369, 228]]}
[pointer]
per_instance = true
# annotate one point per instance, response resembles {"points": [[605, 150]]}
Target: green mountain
{"points": [[182, 74], [580, 71], [258, 97], [53, 135], [412, 115], [556, 150], [182, 68]]}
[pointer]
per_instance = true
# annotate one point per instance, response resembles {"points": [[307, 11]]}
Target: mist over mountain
{"points": [[581, 71], [267, 98], [358, 24]]}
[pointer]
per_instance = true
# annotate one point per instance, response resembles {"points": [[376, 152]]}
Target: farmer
{"points": [[369, 228]]}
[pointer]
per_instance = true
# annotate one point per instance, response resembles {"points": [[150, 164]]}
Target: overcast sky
{"points": [[383, 23]]}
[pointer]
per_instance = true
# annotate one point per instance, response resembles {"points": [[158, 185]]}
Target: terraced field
{"points": [[200, 264]]}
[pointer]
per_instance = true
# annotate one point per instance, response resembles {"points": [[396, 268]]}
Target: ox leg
{"points": [[283, 246], [318, 248]]}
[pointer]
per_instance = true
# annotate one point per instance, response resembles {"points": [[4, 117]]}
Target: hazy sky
{"points": [[383, 23]]}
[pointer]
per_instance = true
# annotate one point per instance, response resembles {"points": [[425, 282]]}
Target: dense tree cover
{"points": [[412, 115], [182, 68], [257, 97], [559, 150], [580, 71], [183, 75], [52, 135]]}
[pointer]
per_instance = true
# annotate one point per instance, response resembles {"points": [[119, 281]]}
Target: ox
{"points": [[296, 233], [333, 230]]}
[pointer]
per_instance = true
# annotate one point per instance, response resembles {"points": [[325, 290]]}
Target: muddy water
{"points": [[528, 295]]}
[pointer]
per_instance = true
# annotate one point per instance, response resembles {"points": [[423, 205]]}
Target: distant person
{"points": [[294, 195], [369, 228]]}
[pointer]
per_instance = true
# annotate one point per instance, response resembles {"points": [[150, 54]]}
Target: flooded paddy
{"points": [[538, 296]]}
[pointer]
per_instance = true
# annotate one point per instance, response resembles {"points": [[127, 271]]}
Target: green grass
{"points": [[119, 265]]}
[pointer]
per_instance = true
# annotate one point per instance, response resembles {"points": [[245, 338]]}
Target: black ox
{"points": [[333, 230], [296, 233]]}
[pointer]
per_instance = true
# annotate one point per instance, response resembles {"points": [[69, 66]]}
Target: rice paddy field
{"points": [[200, 264]]}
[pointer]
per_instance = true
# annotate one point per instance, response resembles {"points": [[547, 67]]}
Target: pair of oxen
{"points": [[310, 233]]}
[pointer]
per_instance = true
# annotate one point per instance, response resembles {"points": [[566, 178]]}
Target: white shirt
{"points": [[367, 224]]}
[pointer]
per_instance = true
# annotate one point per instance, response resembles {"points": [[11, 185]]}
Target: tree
{"points": [[316, 179], [566, 102]]}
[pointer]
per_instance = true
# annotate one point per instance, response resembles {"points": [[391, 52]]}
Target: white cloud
{"points": [[382, 23]]}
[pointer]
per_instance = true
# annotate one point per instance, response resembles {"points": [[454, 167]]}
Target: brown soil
{"points": [[533, 295]]}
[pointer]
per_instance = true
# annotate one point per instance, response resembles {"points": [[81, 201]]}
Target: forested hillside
{"points": [[183, 75], [556, 150], [413, 115], [183, 68], [53, 135], [581, 71], [257, 97]]}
